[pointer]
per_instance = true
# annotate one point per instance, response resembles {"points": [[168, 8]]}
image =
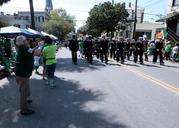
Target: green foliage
{"points": [[94, 32], [105, 17], [82, 30], [59, 23], [3, 1]]}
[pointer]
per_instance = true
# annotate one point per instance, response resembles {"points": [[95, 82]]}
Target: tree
{"points": [[32, 14], [82, 30], [60, 23], [105, 17], [3, 1], [94, 32]]}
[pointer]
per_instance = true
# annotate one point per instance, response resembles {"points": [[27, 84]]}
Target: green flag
{"points": [[164, 33]]}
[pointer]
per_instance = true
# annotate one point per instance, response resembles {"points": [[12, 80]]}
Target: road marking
{"points": [[158, 82], [162, 84]]}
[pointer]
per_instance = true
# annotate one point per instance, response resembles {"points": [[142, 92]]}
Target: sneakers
{"points": [[29, 101], [52, 86], [27, 112], [46, 82], [142, 63], [50, 83], [161, 63]]}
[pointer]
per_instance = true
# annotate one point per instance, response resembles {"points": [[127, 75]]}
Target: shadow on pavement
{"points": [[66, 106], [66, 64], [134, 65], [170, 66], [114, 64], [152, 66]]}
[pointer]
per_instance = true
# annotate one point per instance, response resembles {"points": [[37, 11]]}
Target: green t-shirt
{"points": [[81, 44], [49, 53], [168, 48], [2, 42]]}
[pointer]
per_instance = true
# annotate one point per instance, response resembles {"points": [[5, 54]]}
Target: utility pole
{"points": [[32, 14], [135, 20]]}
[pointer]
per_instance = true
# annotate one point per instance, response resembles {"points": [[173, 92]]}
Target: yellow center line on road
{"points": [[158, 82], [162, 84]]}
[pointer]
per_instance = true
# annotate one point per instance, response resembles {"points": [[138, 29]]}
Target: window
{"points": [[39, 19], [36, 18], [43, 19]]}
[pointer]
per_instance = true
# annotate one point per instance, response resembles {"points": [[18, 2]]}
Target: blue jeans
{"points": [[50, 69]]}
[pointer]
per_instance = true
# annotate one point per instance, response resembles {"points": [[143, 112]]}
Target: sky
{"points": [[80, 8]]}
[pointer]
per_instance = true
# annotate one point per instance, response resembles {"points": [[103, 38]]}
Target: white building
{"points": [[148, 29], [14, 20], [140, 17], [39, 18], [131, 10], [23, 19], [173, 6]]}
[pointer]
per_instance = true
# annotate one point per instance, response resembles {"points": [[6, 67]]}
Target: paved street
{"points": [[97, 96]]}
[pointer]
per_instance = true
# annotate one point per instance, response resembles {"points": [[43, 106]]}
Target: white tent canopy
{"points": [[50, 35], [12, 30], [44, 33], [53, 37], [33, 31]]}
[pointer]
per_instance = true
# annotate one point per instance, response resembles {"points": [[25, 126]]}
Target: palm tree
{"points": [[3, 1], [32, 14]]}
